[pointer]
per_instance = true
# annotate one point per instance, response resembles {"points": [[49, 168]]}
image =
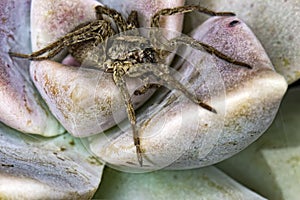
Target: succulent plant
{"points": [[46, 97]]}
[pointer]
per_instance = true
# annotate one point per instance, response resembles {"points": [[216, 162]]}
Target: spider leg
{"points": [[51, 54], [183, 40], [146, 87], [51, 47], [120, 83], [115, 15], [54, 47], [132, 20], [58, 48], [96, 30], [100, 26], [96, 38], [133, 23], [161, 72], [182, 10], [190, 8]]}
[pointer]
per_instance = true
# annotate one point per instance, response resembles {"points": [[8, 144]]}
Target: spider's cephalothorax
{"points": [[128, 54], [135, 49]]}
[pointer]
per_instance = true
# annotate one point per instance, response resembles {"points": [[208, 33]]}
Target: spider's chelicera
{"points": [[126, 53]]}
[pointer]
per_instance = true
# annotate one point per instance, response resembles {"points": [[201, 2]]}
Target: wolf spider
{"points": [[128, 54]]}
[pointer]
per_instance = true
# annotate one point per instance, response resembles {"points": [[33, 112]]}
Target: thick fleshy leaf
{"points": [[259, 15], [205, 183], [275, 23], [85, 101], [178, 134], [271, 165], [21, 107], [39, 168], [53, 19]]}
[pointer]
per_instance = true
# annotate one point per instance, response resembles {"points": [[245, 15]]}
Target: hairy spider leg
{"points": [[185, 9], [180, 10], [146, 87], [161, 72], [185, 40], [132, 20], [58, 48], [52, 49], [115, 15], [133, 23], [118, 77], [82, 34]]}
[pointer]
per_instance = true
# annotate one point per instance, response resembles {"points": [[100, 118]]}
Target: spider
{"points": [[128, 53]]}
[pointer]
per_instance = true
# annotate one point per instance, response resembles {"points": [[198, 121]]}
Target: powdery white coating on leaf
{"points": [[20, 107], [206, 183], [271, 164], [53, 19], [22, 188], [39, 168]]}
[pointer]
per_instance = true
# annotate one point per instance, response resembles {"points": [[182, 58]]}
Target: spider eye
{"points": [[149, 55], [148, 50]]}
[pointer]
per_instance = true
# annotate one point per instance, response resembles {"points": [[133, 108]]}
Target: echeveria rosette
{"points": [[87, 102], [267, 72]]}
